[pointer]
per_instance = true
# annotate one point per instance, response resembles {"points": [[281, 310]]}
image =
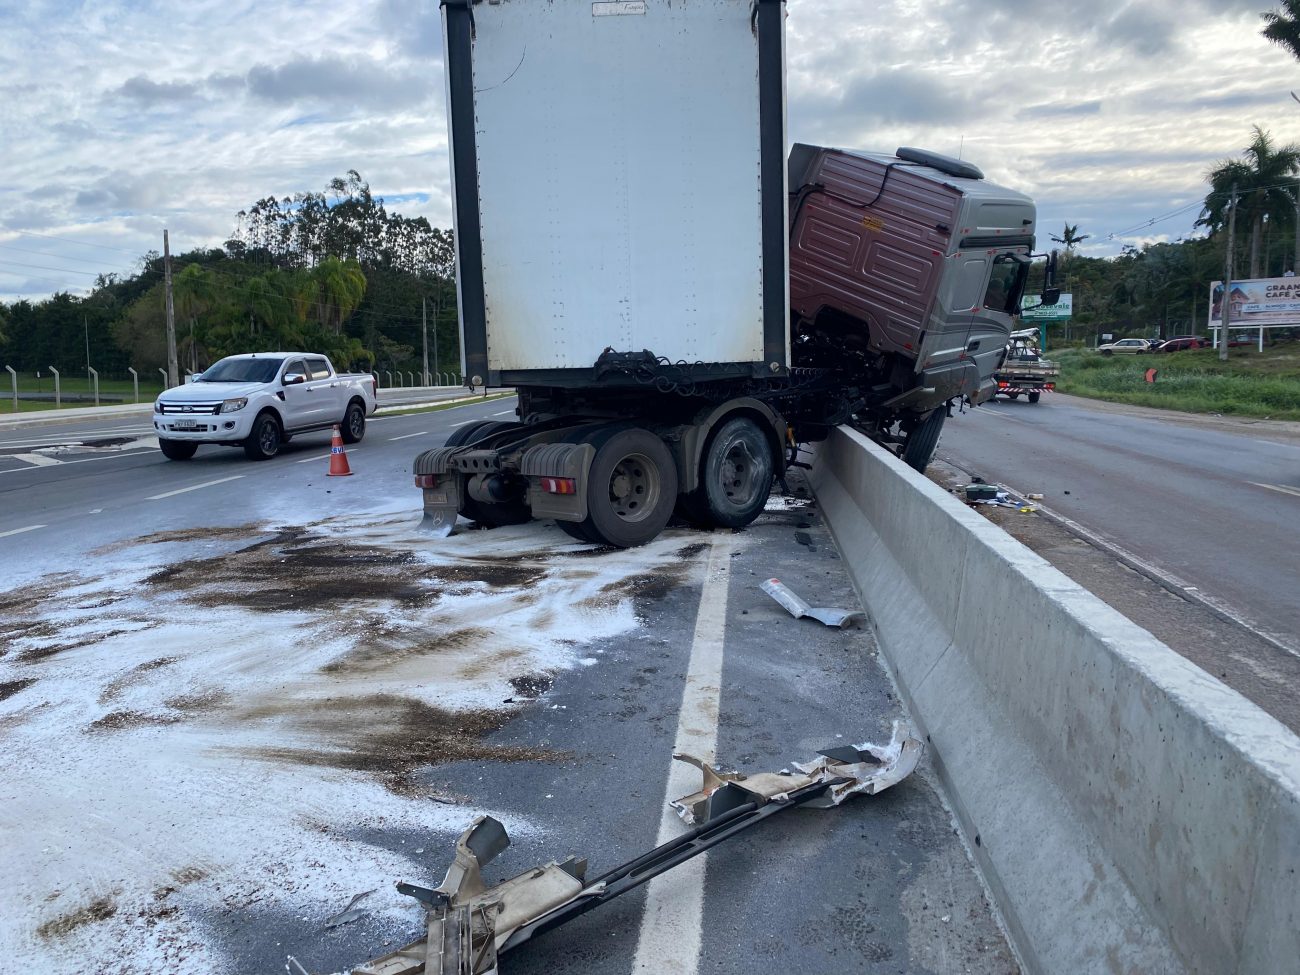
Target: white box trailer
{"points": [[618, 173], [622, 261]]}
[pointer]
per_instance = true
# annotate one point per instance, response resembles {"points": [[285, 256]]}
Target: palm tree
{"points": [[1263, 180], [1070, 236], [1282, 27], [341, 285]]}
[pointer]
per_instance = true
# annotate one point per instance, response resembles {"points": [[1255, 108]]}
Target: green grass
{"points": [[1250, 383], [448, 406], [112, 392]]}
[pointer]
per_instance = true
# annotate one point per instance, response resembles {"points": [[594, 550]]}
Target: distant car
{"points": [[1181, 342], [1125, 345]]}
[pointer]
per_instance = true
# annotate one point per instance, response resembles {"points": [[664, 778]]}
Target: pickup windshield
{"points": [[242, 371]]}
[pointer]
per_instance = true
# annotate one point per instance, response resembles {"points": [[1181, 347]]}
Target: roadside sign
{"points": [[1032, 311]]}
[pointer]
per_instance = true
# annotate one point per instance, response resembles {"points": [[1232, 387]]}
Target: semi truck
{"points": [[678, 304]]}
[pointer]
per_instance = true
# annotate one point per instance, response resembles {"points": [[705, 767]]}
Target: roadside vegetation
{"points": [[1250, 383], [333, 272]]}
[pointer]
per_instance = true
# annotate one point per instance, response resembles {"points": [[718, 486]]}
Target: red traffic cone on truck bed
{"points": [[338, 459]]}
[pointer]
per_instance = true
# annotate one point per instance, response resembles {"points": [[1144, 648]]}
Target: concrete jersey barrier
{"points": [[1130, 813]]}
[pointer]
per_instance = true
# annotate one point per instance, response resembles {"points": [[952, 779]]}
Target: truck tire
{"points": [[630, 489], [735, 476], [488, 513], [920, 445], [264, 439], [1034, 396], [177, 449], [353, 427]]}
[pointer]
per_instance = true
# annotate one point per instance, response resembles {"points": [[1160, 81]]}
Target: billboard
{"points": [[1032, 311], [1259, 301]]}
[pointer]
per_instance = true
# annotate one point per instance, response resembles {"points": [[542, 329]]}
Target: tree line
{"points": [[335, 272]]}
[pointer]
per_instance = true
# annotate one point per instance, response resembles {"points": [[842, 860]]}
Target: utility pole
{"points": [[437, 317], [173, 372], [1295, 259], [424, 330], [85, 328], [1225, 305]]}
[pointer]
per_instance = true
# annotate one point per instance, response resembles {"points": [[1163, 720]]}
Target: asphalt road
{"points": [[121, 568], [1214, 502]]}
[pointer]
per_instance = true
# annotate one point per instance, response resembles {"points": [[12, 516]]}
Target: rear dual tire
{"points": [[631, 490]]}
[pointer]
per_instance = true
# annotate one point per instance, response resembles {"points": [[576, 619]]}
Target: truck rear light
{"points": [[1052, 386], [426, 480], [1003, 385], [559, 485]]}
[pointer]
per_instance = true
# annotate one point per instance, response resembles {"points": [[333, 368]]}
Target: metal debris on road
{"points": [[469, 925], [348, 913], [799, 609]]}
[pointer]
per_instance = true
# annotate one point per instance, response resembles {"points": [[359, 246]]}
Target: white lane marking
{"points": [[671, 927], [505, 413], [408, 436], [309, 460], [36, 460], [193, 487], [462, 423], [85, 460], [1280, 488], [19, 531]]}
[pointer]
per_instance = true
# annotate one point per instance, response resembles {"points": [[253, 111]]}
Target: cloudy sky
{"points": [[118, 119]]}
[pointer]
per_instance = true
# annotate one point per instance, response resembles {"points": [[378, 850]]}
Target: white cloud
{"points": [[122, 118]]}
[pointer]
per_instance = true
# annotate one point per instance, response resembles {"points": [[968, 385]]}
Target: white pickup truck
{"points": [[258, 401]]}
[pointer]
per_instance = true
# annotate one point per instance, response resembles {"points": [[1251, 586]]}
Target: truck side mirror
{"points": [[1051, 296], [293, 378]]}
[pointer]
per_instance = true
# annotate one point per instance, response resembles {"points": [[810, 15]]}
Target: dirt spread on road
{"points": [[100, 909], [393, 737]]}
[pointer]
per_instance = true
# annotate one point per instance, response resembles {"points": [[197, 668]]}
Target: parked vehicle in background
{"points": [[258, 401], [1024, 370], [1125, 346], [1180, 343]]}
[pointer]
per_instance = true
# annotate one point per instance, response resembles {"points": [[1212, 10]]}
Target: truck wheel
{"points": [[574, 530], [1034, 396], [922, 441], [1013, 396], [735, 476], [177, 449], [263, 441], [354, 423], [630, 490]]}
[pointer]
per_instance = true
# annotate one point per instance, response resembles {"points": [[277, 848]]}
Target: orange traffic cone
{"points": [[338, 459]]}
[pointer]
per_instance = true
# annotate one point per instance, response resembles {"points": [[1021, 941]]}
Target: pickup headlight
{"points": [[157, 406], [234, 405]]}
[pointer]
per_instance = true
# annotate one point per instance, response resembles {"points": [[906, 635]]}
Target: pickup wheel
{"points": [[1034, 396], [735, 477], [353, 427], [177, 449], [264, 439], [920, 444], [631, 489]]}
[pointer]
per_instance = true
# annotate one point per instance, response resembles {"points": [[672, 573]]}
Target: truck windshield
{"points": [[1006, 284], [242, 371]]}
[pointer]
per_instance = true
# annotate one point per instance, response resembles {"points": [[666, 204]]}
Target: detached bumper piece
{"points": [[471, 926]]}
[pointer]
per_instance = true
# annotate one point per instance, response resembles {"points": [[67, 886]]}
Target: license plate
{"points": [[184, 424]]}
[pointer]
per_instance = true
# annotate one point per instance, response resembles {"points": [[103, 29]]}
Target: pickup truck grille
{"points": [[191, 409]]}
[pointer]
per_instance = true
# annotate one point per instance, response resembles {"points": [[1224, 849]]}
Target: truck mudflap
{"points": [[470, 926], [441, 490]]}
